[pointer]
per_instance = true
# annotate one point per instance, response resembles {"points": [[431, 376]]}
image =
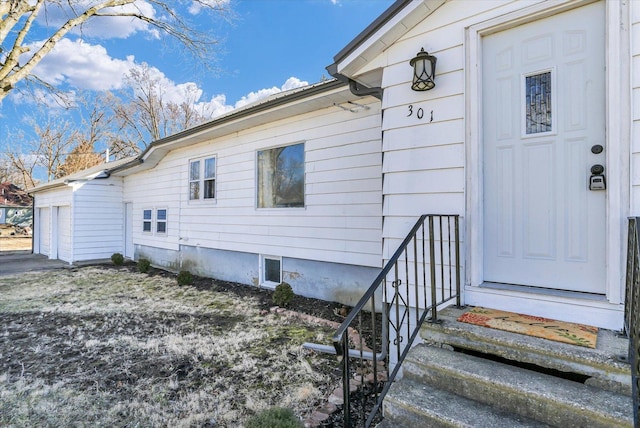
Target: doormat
{"points": [[560, 331]]}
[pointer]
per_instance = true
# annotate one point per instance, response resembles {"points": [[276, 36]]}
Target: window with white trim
{"points": [[271, 270], [161, 221], [202, 179], [146, 221], [280, 174], [154, 221]]}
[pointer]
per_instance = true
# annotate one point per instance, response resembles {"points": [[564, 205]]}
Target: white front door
{"points": [[543, 118]]}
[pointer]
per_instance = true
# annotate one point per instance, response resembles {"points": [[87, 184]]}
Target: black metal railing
{"points": [[374, 339], [632, 311]]}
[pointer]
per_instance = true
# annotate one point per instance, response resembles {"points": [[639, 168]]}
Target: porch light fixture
{"points": [[424, 71]]}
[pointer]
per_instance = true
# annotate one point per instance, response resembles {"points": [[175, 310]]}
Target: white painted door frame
{"points": [[617, 123]]}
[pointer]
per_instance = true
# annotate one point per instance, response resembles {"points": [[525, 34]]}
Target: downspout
{"points": [[361, 91], [355, 87]]}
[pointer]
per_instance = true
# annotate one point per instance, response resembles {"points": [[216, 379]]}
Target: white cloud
{"points": [[103, 26], [60, 100], [251, 97], [294, 83], [218, 104], [77, 64], [197, 5], [83, 66]]}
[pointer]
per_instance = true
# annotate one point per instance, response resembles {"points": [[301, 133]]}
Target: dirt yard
{"points": [[108, 346], [12, 241]]}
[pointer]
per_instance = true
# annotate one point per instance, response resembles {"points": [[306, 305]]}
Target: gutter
{"points": [[355, 87], [284, 99], [240, 114], [107, 172]]}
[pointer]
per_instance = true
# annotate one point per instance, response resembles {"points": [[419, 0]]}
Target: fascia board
{"points": [[356, 61]]}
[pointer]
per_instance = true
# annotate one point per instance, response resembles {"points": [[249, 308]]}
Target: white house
{"points": [[528, 97], [287, 189]]}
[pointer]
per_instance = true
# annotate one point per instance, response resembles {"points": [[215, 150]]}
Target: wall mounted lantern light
{"points": [[424, 71]]}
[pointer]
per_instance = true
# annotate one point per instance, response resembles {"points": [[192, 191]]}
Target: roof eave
{"points": [[396, 21], [231, 122]]}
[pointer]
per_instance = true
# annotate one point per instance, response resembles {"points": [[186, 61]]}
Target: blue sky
{"points": [[270, 45]]}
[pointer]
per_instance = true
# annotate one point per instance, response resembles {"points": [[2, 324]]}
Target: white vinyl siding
{"points": [[88, 220], [424, 154], [45, 232], [161, 187], [635, 84], [98, 219], [341, 219]]}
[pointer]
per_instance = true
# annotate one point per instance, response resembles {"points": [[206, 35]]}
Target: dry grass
{"points": [[107, 347], [15, 243]]}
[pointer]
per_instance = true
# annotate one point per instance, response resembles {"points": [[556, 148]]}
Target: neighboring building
{"points": [[529, 96], [15, 206]]}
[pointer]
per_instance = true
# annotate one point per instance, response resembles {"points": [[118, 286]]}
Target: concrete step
{"points": [[542, 397], [413, 404], [601, 365]]}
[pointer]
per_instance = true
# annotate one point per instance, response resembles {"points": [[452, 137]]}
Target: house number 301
{"points": [[419, 112]]}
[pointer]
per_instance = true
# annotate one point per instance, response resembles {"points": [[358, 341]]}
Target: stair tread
{"points": [[427, 361], [601, 363], [438, 406], [609, 344]]}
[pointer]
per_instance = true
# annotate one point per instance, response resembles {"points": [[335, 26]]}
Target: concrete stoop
{"points": [[470, 376]]}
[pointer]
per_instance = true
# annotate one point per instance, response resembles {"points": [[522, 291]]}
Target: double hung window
{"points": [[202, 179], [161, 221], [146, 221]]}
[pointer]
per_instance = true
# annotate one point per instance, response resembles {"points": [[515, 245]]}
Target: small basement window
{"points": [[271, 270]]}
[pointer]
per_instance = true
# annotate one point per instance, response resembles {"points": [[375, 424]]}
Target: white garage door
{"points": [[44, 231], [64, 233]]}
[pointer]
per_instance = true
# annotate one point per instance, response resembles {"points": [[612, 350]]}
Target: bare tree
{"points": [[147, 113], [9, 174], [81, 157], [124, 127], [53, 139], [20, 30]]}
